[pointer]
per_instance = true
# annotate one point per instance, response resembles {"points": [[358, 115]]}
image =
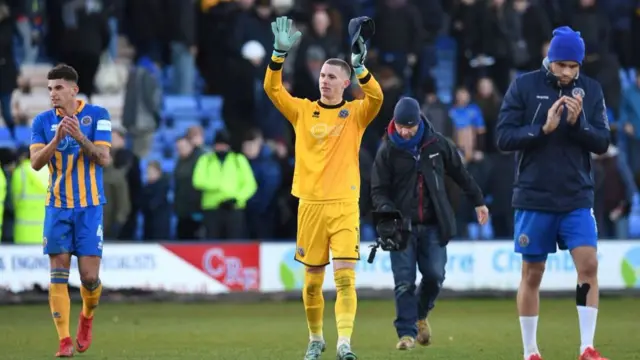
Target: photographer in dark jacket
{"points": [[409, 176]]}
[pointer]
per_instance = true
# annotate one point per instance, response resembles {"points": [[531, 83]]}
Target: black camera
{"points": [[393, 232]]}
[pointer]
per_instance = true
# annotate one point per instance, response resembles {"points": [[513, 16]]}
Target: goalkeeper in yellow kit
{"points": [[326, 180]]}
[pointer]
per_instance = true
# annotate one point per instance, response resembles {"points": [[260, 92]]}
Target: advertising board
{"points": [[181, 268], [481, 265]]}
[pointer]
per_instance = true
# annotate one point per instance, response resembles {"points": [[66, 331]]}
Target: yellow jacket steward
{"points": [[231, 179], [28, 192]]}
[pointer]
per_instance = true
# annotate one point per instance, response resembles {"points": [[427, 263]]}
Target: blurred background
{"points": [[183, 78]]}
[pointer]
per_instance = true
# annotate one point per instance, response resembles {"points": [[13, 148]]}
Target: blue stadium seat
{"points": [[185, 123], [143, 168], [23, 135], [168, 165], [173, 103], [158, 148], [444, 71], [211, 107], [178, 107], [170, 135], [158, 136], [217, 125], [211, 104], [6, 140]]}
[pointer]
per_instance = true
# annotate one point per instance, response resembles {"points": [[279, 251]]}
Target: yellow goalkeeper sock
{"points": [[314, 303], [59, 301], [90, 297], [346, 303]]}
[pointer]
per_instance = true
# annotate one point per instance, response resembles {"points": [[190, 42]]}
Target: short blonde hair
{"points": [[341, 64]]}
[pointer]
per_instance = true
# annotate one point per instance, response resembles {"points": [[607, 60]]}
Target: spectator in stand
{"points": [[615, 190], [319, 36], [500, 37], [156, 208], [187, 200], [240, 109], [533, 28], [432, 16], [118, 207], [82, 35], [195, 135], [399, 35], [144, 24], [29, 26], [260, 212], [469, 130], [488, 100], [180, 31], [19, 111], [126, 161], [466, 30], [142, 104], [599, 62], [8, 67], [619, 13], [392, 87], [630, 122], [468, 123], [305, 81], [227, 183], [498, 167], [253, 24], [287, 204], [436, 111]]}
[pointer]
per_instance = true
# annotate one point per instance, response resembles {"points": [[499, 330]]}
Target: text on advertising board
{"points": [[237, 266], [25, 262]]}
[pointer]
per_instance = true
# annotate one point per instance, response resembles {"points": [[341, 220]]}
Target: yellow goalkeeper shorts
{"points": [[327, 226]]}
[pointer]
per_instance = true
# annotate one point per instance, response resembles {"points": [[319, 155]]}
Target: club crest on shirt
{"points": [[343, 113], [523, 240], [577, 92], [86, 121]]}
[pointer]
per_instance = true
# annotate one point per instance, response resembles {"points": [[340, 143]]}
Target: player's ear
{"points": [[347, 82]]}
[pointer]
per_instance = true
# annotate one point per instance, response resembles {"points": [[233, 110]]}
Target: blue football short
{"points": [[74, 231], [539, 233]]}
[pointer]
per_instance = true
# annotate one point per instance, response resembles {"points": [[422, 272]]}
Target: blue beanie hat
{"points": [[566, 45], [407, 112]]}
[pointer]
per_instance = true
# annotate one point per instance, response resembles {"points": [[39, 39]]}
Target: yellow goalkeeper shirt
{"points": [[328, 137]]}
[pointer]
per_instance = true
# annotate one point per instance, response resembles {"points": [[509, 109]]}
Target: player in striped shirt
{"points": [[73, 140]]}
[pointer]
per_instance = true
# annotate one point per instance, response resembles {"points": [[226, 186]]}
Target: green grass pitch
{"points": [[463, 329]]}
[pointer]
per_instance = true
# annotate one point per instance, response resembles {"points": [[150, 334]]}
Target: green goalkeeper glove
{"points": [[283, 41], [357, 60]]}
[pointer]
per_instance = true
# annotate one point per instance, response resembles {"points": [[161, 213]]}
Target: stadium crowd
{"points": [[183, 82]]}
